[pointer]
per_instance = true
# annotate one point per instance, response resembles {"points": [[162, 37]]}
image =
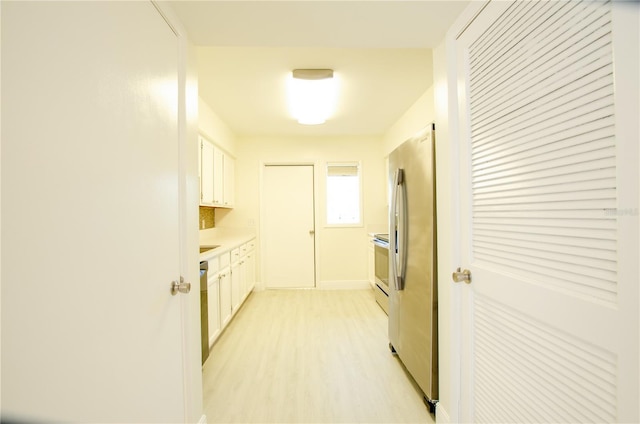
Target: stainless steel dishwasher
{"points": [[204, 311]]}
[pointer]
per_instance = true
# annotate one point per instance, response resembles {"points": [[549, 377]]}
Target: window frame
{"points": [[360, 222]]}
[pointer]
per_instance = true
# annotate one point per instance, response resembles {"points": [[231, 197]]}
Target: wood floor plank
{"points": [[297, 356]]}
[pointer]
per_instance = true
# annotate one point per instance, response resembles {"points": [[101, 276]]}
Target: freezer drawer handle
{"points": [[459, 276]]}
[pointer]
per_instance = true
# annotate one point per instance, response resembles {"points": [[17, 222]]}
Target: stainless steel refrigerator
{"points": [[413, 300]]}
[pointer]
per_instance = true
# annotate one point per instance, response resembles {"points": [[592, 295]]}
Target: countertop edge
{"points": [[226, 243]]}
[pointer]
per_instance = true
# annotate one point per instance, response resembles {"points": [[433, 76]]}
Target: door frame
{"points": [[261, 285], [188, 198], [448, 206]]}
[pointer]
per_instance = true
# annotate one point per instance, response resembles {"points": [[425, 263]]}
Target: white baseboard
{"points": [[442, 417], [344, 285], [203, 419], [331, 285]]}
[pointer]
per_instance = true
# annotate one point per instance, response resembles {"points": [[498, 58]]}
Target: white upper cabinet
{"points": [[206, 173], [229, 182], [216, 176]]}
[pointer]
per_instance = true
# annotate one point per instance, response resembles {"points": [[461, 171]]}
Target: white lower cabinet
{"points": [[225, 296], [213, 300], [236, 286], [250, 272], [231, 278]]}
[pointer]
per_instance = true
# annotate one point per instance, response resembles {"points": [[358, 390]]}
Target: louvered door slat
{"points": [[584, 263], [565, 188], [540, 157], [570, 374], [565, 239], [595, 174], [509, 87], [536, 135], [530, 148], [554, 222], [499, 41], [562, 165], [511, 51], [574, 96], [551, 53], [500, 239]]}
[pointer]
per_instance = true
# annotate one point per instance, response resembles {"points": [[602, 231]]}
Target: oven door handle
{"points": [[398, 226], [381, 243]]}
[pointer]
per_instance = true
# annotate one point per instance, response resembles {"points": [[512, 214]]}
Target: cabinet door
{"points": [[218, 176], [250, 272], [225, 297], [229, 180], [206, 172], [213, 303], [236, 286]]}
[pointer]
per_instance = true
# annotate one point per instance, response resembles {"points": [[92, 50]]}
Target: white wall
{"points": [[342, 254], [212, 127], [414, 119]]}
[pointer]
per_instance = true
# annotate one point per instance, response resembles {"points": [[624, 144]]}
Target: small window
{"points": [[344, 205]]}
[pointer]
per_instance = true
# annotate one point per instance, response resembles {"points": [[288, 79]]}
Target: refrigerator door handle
{"points": [[399, 230]]}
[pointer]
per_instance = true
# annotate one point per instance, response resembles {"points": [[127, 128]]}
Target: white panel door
{"points": [[90, 197], [289, 236], [549, 213]]}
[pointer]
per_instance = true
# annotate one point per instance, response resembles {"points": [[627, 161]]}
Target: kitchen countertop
{"points": [[226, 238]]}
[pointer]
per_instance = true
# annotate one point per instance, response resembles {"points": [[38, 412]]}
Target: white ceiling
{"points": [[379, 50]]}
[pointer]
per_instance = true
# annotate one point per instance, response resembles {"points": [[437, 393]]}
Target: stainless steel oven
{"points": [[381, 262]]}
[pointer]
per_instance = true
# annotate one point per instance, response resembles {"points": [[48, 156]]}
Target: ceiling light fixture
{"points": [[312, 95]]}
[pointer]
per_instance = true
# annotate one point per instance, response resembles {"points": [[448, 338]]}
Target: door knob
{"points": [[181, 287], [459, 276]]}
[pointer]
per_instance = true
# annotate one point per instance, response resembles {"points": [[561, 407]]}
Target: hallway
{"points": [[309, 356]]}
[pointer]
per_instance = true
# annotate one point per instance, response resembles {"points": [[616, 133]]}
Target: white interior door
{"points": [[90, 219], [288, 229], [549, 212]]}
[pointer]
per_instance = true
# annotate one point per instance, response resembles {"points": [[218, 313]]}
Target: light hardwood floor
{"points": [[294, 356]]}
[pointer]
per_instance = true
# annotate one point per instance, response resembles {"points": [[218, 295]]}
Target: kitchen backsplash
{"points": [[207, 218]]}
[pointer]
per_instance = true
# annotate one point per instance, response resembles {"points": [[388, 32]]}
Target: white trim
{"points": [[187, 134], [344, 285], [451, 133], [442, 416], [324, 212]]}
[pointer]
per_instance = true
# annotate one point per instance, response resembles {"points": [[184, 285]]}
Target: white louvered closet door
{"points": [[549, 212]]}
